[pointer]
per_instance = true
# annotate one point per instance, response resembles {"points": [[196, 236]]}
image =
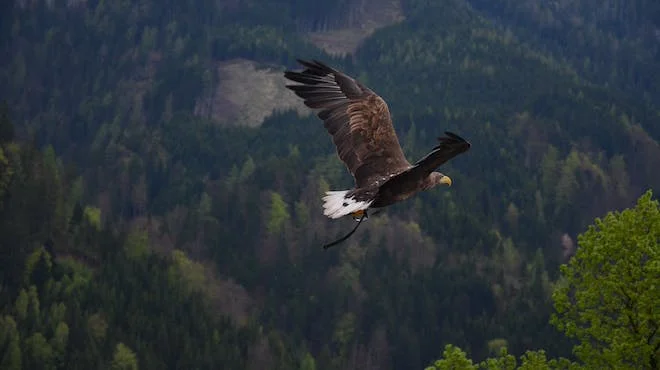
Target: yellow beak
{"points": [[445, 180]]}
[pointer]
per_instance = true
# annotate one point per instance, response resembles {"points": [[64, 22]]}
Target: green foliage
{"points": [[38, 353], [137, 244], [10, 342], [123, 358], [60, 339], [64, 310], [187, 272], [97, 327], [93, 216], [609, 292], [504, 361], [607, 298], [278, 216], [21, 305], [495, 346], [302, 214], [453, 358], [345, 329], [534, 360], [307, 362]]}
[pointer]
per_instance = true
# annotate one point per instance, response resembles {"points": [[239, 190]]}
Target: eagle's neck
{"points": [[428, 182], [431, 180]]}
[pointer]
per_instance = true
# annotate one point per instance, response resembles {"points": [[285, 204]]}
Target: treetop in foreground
{"points": [[610, 292], [607, 298]]}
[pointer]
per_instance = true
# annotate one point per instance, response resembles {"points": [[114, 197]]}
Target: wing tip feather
{"points": [[451, 138]]}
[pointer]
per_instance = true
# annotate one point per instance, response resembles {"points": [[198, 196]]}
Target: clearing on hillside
{"points": [[247, 94], [364, 19]]}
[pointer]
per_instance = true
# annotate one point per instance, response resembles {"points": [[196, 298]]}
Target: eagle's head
{"points": [[437, 178]]}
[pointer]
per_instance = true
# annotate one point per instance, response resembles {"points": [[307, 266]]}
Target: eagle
{"points": [[361, 127]]}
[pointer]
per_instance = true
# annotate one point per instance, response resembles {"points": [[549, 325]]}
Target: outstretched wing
{"points": [[356, 117], [449, 147]]}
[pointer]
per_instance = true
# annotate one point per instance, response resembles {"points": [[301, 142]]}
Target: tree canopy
{"points": [[609, 294], [606, 298]]}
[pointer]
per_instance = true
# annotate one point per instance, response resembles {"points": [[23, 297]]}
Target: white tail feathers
{"points": [[336, 205]]}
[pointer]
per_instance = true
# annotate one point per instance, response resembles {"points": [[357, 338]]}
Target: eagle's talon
{"points": [[357, 215]]}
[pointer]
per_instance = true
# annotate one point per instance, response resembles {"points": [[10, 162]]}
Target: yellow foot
{"points": [[358, 214]]}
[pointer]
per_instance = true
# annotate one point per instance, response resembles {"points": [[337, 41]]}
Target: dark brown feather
{"points": [[408, 182], [357, 119], [449, 147]]}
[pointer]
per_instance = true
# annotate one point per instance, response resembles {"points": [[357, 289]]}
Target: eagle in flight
{"points": [[361, 128]]}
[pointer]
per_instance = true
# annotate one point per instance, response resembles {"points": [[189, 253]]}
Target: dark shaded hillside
{"points": [[112, 88], [77, 294], [522, 112], [610, 42]]}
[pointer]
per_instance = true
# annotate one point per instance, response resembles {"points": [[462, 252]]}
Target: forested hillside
{"points": [[136, 231], [612, 42]]}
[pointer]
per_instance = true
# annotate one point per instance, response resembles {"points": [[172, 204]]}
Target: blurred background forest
{"points": [[160, 190]]}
